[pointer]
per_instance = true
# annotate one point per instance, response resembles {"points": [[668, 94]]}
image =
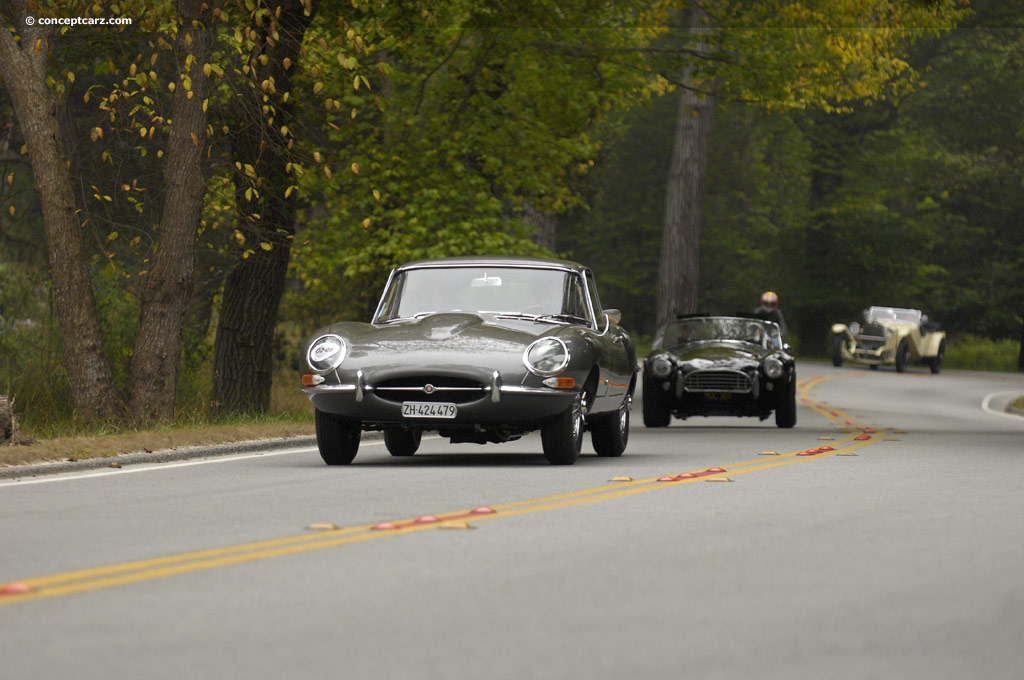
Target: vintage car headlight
{"points": [[772, 367], [661, 367], [546, 356], [326, 353]]}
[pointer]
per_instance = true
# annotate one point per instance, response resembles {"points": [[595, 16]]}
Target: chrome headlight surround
{"points": [[661, 367], [326, 353], [773, 368], [546, 356]]}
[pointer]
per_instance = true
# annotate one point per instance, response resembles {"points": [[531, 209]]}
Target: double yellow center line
{"points": [[84, 580]]}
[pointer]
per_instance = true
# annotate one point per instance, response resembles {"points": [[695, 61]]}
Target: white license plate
{"points": [[427, 409]]}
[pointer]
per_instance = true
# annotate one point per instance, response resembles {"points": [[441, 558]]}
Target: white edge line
{"points": [[988, 400], [150, 467]]}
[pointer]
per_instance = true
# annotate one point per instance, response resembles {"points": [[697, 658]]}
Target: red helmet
{"points": [[769, 300]]}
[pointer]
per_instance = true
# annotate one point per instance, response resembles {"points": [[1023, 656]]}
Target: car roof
{"points": [[493, 261]]}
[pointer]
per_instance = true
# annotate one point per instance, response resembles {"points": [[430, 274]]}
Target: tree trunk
{"points": [[679, 268], [544, 224], [157, 355], [242, 355], [23, 69]]}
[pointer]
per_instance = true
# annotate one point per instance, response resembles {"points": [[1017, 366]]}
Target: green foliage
{"points": [[976, 353]]}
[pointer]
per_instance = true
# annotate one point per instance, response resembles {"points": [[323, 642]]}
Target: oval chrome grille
{"points": [[430, 388], [717, 381]]}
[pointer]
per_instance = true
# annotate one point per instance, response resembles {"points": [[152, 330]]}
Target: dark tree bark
{"points": [[157, 355], [243, 359], [545, 226], [679, 268], [23, 69], [1020, 357]]}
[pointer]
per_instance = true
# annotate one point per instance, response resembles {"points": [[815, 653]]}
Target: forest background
{"points": [[190, 188]]}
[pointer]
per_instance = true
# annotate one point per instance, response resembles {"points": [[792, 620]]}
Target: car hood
{"points": [[725, 355], [448, 343]]}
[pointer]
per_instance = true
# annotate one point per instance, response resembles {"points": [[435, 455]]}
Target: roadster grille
{"points": [[717, 381], [429, 388]]}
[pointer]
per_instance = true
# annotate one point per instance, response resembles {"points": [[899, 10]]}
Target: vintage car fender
{"points": [[838, 328], [930, 343]]}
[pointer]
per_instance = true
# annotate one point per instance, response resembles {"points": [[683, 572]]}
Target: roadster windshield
{"points": [[530, 292], [765, 334], [894, 314]]}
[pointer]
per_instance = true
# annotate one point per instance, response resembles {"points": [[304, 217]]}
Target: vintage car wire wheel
{"points": [[402, 442], [935, 363], [902, 355], [656, 413], [610, 433], [785, 412], [837, 349], [337, 438], [562, 436]]}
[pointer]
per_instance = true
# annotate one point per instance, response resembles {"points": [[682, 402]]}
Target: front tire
{"points": [[785, 413], [610, 433], [902, 355], [336, 437], [402, 442], [837, 350], [562, 436], [935, 363], [656, 413]]}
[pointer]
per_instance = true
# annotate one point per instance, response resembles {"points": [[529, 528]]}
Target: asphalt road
{"points": [[905, 560]]}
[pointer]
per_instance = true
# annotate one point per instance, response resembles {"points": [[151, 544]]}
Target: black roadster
{"points": [[479, 350], [719, 366]]}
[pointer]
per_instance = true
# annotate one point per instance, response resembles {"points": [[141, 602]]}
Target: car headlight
{"points": [[773, 367], [546, 356], [661, 367], [326, 353]]}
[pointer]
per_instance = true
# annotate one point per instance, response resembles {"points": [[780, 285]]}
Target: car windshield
{"points": [[764, 334], [894, 314], [532, 292]]}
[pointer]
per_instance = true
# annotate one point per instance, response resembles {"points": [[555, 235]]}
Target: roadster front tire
{"points": [[610, 433], [337, 438], [837, 350], [562, 436], [402, 442], [902, 355], [656, 413], [785, 413], [935, 363]]}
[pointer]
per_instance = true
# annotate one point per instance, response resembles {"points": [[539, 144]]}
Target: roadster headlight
{"points": [[326, 353], [772, 367], [661, 367], [546, 356]]}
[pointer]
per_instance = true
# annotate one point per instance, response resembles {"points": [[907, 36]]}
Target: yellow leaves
{"points": [[239, 237], [170, 86], [11, 210], [195, 139], [266, 246], [366, 223], [10, 179], [328, 173], [286, 62], [376, 194], [317, 157], [112, 236], [355, 168], [317, 87], [207, 70], [96, 133]]}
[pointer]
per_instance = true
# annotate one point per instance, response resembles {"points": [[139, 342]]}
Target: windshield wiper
{"points": [[567, 318]]}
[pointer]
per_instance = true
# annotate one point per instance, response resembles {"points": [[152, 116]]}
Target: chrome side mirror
{"points": [[614, 315]]}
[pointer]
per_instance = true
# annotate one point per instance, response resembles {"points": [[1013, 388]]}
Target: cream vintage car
{"points": [[890, 335]]}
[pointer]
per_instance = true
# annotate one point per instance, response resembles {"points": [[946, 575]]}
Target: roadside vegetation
{"points": [[231, 175]]}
